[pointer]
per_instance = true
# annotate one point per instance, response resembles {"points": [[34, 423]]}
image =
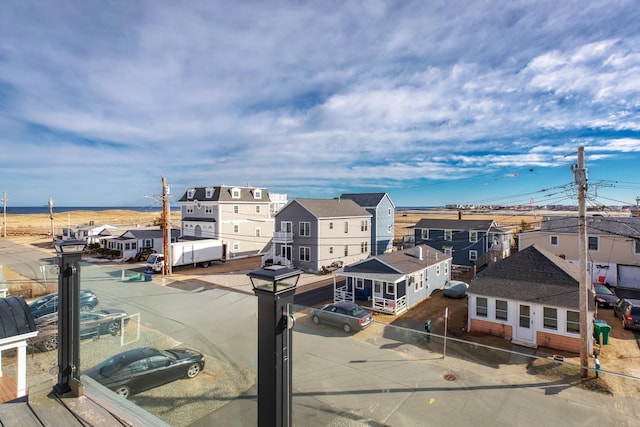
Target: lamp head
{"points": [[274, 279]]}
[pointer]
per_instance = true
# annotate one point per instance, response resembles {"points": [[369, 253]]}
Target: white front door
{"points": [[377, 289], [524, 330]]}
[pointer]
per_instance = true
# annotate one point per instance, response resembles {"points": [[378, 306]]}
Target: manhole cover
{"points": [[450, 377]]}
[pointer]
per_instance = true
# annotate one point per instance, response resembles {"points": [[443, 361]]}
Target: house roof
{"points": [[223, 194], [455, 224], [393, 266], [596, 225], [332, 208], [532, 275], [15, 317], [366, 200], [147, 233]]}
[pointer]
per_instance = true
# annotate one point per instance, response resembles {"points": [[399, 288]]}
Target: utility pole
{"points": [[53, 236], [4, 215], [165, 226], [580, 179]]}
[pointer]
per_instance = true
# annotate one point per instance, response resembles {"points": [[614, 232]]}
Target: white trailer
{"points": [[196, 252]]}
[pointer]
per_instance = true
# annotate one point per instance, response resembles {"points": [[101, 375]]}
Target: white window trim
{"points": [[551, 240], [473, 236], [473, 255]]}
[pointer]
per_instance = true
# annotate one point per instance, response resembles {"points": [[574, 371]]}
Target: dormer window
{"points": [[257, 193], [190, 193], [235, 193], [209, 193]]}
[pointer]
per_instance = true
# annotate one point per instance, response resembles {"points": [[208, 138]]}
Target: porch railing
{"points": [[342, 294], [283, 237], [387, 305]]}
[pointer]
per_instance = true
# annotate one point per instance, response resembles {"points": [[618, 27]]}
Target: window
{"points": [[304, 228], [359, 283], [286, 226], [636, 246], [258, 232], [437, 269], [331, 249], [236, 246], [208, 210], [346, 250], [257, 193], [448, 235], [593, 243], [446, 268], [525, 316], [236, 209], [364, 225], [473, 255], [573, 321], [209, 193], [550, 318], [331, 226], [389, 212], [473, 236], [425, 233], [189, 209], [236, 228], [190, 193], [258, 209], [235, 193], [481, 307], [346, 226], [501, 310], [391, 288], [553, 240], [448, 250], [419, 282], [305, 253], [389, 229], [364, 247]]}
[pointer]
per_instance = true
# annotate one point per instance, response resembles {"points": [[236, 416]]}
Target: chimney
{"points": [[459, 215], [419, 252]]}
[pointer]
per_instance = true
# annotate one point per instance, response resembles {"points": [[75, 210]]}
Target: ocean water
{"points": [[20, 210]]}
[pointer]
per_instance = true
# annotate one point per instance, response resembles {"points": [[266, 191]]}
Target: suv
{"points": [[629, 311], [49, 303]]}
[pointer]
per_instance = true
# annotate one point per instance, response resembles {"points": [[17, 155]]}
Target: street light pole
{"points": [[275, 287], [580, 178], [69, 253]]}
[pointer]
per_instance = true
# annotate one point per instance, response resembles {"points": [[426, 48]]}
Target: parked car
{"points": [[604, 297], [346, 315], [92, 323], [49, 303], [141, 369], [455, 289], [628, 310]]}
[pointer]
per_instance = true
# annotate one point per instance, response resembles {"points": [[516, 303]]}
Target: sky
{"points": [[433, 102]]}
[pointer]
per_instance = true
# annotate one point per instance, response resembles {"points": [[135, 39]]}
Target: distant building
{"points": [[382, 210]]}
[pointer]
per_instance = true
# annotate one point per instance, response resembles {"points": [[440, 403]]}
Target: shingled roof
{"points": [[223, 194], [332, 208], [596, 225], [533, 275], [366, 200], [455, 224]]}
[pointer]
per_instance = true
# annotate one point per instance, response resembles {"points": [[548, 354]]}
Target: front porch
{"points": [[375, 303]]}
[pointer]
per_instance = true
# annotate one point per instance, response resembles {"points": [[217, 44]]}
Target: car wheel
{"points": [[347, 328], [123, 391], [86, 307], [114, 328], [51, 343], [193, 370], [316, 320]]}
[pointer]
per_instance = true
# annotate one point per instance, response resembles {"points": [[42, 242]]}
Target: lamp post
{"points": [[274, 286], [69, 253]]}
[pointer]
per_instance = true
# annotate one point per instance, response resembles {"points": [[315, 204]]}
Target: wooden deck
{"points": [[8, 389]]}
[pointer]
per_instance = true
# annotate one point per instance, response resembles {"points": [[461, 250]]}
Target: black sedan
{"points": [[141, 369], [92, 323], [604, 297], [344, 314], [49, 303]]}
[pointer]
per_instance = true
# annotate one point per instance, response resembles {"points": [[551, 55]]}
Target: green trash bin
{"points": [[600, 327]]}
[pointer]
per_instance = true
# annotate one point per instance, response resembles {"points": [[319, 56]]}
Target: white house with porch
{"points": [[393, 282]]}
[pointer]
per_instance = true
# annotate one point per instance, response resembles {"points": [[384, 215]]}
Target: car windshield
{"points": [[603, 290], [169, 354]]}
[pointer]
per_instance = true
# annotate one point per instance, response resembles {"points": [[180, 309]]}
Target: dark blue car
{"points": [[49, 303]]}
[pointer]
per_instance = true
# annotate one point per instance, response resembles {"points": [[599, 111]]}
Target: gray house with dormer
{"points": [[382, 210], [313, 234]]}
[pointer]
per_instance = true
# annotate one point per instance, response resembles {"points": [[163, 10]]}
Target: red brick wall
{"points": [[558, 342], [497, 329]]}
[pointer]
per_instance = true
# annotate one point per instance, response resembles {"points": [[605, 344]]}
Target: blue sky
{"points": [[433, 102]]}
